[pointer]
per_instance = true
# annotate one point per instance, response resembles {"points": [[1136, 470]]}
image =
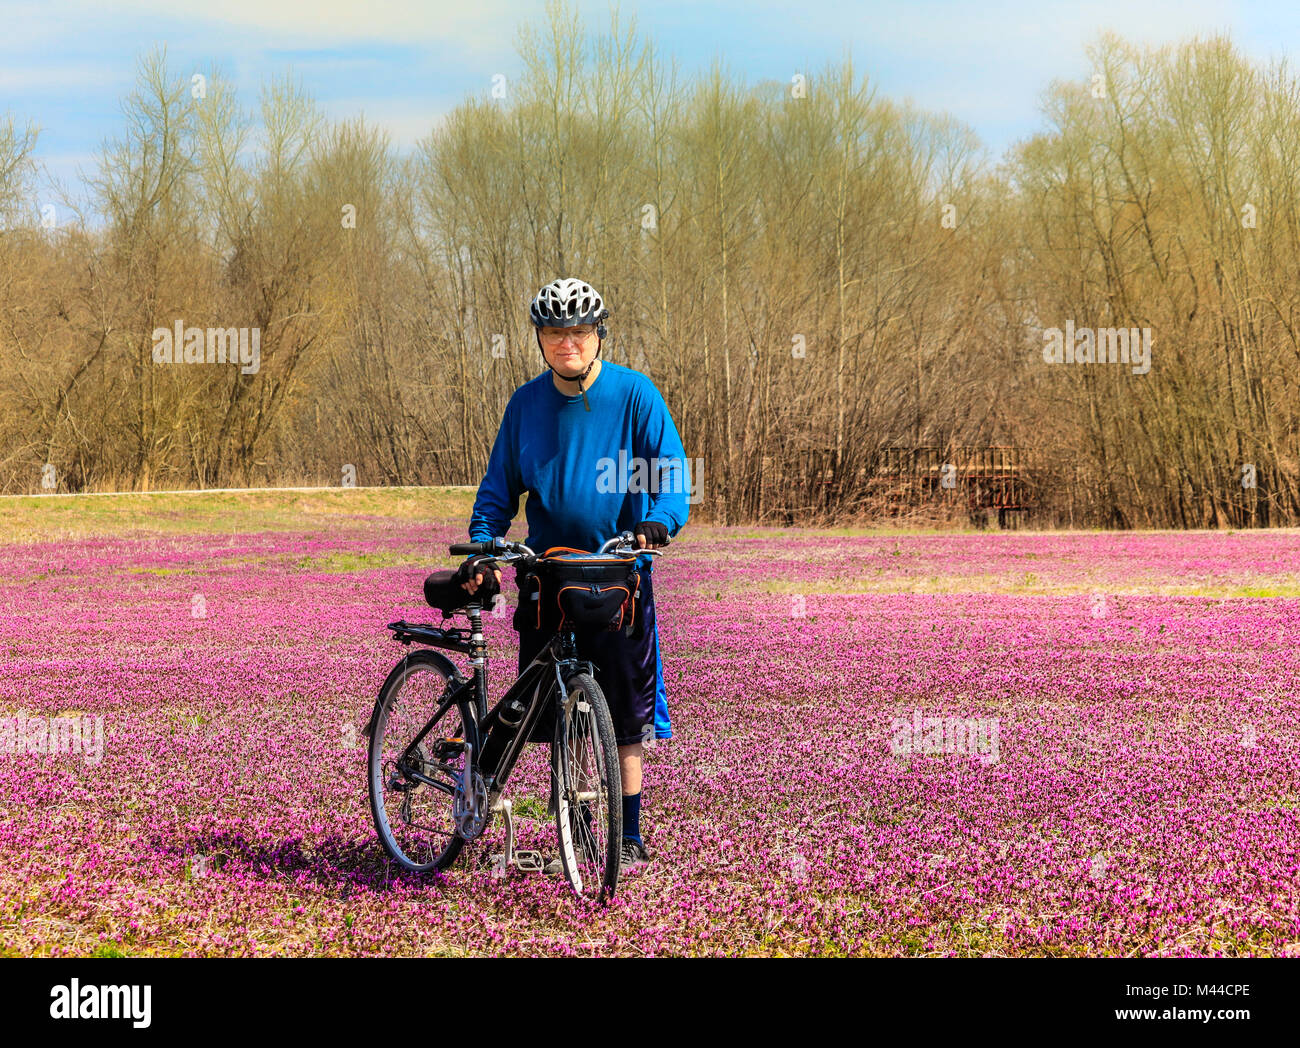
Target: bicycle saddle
{"points": [[442, 591]]}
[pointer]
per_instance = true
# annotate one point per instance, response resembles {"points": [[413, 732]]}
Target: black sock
{"points": [[632, 817]]}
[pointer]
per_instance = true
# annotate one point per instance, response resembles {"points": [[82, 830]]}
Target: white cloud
{"points": [[989, 62], [406, 121], [53, 77], [477, 25]]}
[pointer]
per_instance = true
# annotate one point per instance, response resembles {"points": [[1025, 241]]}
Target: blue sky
{"points": [[64, 64]]}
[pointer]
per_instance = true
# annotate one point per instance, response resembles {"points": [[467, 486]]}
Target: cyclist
{"points": [[559, 436]]}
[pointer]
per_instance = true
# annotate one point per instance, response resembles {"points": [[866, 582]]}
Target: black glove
{"points": [[656, 534], [484, 566]]}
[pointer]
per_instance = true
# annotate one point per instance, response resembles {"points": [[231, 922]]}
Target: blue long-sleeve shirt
{"points": [[589, 474]]}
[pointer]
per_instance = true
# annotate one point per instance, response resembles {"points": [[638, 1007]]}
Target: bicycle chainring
{"points": [[470, 809]]}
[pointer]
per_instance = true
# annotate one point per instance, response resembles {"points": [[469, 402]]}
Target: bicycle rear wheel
{"points": [[415, 819], [585, 781]]}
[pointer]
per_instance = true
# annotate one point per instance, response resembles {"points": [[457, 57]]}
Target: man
{"points": [[563, 436]]}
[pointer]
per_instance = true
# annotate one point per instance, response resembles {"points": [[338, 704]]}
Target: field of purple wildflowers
{"points": [[944, 744]]}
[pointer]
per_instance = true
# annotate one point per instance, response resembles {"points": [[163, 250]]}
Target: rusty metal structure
{"points": [[986, 478]]}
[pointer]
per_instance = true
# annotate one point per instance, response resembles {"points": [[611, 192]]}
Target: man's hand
{"points": [[650, 534], [473, 572]]}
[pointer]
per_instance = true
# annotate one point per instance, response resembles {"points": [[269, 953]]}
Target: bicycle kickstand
{"points": [[526, 861]]}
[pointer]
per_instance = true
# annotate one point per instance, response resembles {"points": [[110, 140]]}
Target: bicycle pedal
{"points": [[529, 861], [523, 861]]}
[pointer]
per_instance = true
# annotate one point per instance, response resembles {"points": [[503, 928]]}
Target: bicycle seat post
{"points": [[478, 659]]}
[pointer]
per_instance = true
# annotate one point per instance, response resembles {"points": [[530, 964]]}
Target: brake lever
{"points": [[628, 538]]}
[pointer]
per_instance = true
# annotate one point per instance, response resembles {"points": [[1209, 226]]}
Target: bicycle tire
{"points": [[438, 846], [590, 860]]}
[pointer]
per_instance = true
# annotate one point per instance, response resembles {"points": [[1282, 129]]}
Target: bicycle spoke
{"points": [[583, 783], [415, 793]]}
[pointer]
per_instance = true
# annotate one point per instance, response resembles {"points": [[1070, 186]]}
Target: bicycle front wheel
{"points": [[413, 794], [586, 789]]}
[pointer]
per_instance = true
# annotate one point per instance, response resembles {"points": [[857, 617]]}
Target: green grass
{"points": [[529, 808], [108, 951], [861, 532], [1026, 585], [333, 562], [341, 562], [66, 517], [45, 518]]}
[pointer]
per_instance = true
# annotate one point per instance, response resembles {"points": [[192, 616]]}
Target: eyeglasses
{"points": [[553, 337]]}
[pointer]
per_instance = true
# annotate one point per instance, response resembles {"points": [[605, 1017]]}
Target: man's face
{"points": [[569, 350]]}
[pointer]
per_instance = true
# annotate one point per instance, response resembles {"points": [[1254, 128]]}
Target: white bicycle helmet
{"points": [[569, 302]]}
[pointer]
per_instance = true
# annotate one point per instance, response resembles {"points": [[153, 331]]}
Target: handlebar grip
{"points": [[470, 549]]}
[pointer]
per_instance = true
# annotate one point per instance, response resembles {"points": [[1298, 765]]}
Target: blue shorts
{"points": [[628, 669], [663, 725]]}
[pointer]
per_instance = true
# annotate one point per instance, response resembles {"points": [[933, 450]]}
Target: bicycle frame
{"points": [[559, 656]]}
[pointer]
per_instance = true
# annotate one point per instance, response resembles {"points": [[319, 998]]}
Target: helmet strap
{"points": [[600, 342]]}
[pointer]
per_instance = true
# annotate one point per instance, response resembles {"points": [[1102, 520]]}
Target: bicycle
{"points": [[436, 783]]}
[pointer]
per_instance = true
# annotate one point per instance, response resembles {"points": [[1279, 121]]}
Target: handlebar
{"points": [[627, 539], [508, 552]]}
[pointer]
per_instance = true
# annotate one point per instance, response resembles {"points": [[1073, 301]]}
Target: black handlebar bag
{"points": [[580, 591]]}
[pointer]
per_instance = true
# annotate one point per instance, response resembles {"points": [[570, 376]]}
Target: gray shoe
{"points": [[634, 855]]}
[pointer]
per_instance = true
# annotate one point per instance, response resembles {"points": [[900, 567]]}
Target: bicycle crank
{"points": [[470, 807]]}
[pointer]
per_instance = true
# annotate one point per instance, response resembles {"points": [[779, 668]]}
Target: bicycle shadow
{"points": [[335, 863]]}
